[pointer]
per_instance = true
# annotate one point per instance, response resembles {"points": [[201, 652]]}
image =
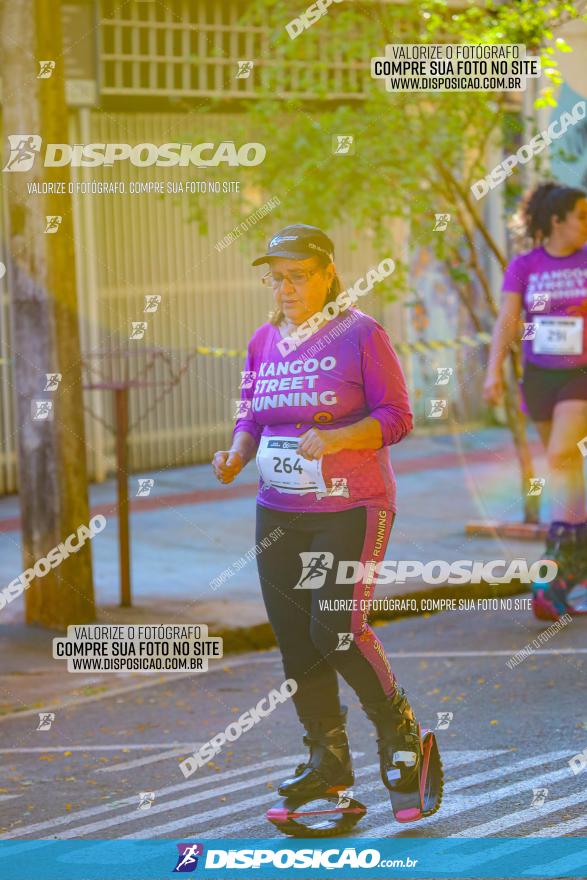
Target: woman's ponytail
{"points": [[539, 205]]}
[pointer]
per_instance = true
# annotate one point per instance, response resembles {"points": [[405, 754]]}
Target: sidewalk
{"points": [[190, 529]]}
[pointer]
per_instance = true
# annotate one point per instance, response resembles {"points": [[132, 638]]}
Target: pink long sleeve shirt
{"points": [[344, 372]]}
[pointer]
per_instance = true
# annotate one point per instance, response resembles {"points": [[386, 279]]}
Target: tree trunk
{"points": [[517, 425], [515, 418], [45, 337]]}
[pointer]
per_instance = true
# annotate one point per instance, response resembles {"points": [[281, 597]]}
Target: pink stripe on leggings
{"points": [[378, 529]]}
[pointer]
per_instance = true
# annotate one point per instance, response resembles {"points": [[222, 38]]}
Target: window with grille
{"points": [[191, 48]]}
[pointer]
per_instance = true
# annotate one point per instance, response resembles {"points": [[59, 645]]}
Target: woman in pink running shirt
{"points": [[547, 289], [322, 399]]}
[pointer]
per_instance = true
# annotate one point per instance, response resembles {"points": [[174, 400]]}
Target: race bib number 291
{"points": [[283, 469], [556, 335]]}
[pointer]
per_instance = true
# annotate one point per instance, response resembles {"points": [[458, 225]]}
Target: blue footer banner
{"points": [[532, 857]]}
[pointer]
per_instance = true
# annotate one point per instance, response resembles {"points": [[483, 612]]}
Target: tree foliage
{"points": [[416, 154]]}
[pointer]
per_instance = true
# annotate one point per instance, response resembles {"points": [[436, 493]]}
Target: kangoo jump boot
{"points": [[410, 763], [328, 768], [398, 738]]}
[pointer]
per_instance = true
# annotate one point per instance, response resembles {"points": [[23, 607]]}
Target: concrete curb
{"points": [[496, 529], [260, 637], [255, 637]]}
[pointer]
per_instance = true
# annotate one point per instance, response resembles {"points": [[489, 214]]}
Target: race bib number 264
{"points": [[283, 469]]}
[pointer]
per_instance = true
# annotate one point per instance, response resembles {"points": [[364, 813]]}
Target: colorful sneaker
{"points": [[566, 544]]}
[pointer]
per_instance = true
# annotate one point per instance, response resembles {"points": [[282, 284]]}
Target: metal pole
{"points": [[121, 406]]}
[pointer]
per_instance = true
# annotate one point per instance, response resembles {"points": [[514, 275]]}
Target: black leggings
{"points": [[307, 631]]}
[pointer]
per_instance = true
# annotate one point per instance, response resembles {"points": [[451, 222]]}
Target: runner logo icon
{"points": [[444, 719], [539, 795], [443, 375], [540, 302], [187, 860], [46, 68], [315, 568], [138, 329], [344, 799], [152, 301], [343, 144], [241, 408], [244, 69], [438, 408], [441, 222], [23, 149], [537, 484], [53, 380], [42, 409], [248, 378], [145, 486], [53, 222], [339, 487], [146, 798], [46, 719]]}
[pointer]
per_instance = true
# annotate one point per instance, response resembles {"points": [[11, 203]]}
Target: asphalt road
{"points": [[513, 731]]}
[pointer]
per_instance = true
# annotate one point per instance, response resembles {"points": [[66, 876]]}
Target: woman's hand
{"points": [[493, 387], [505, 333], [315, 443], [226, 465]]}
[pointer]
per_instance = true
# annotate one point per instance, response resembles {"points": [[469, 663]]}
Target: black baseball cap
{"points": [[298, 242]]}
